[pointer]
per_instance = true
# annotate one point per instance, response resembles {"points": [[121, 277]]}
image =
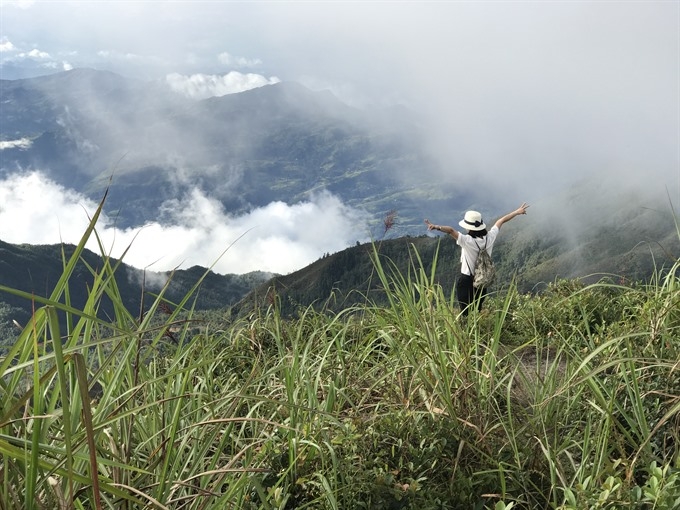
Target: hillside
{"points": [[639, 243], [565, 400], [36, 270]]}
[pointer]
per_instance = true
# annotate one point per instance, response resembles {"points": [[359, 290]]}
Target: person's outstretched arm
{"points": [[522, 209], [442, 228]]}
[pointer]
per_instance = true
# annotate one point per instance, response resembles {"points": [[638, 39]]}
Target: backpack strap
{"points": [[479, 249]]}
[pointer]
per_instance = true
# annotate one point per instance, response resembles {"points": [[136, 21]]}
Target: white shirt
{"points": [[470, 247]]}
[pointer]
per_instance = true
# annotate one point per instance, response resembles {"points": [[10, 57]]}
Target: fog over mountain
{"points": [[196, 232], [487, 103]]}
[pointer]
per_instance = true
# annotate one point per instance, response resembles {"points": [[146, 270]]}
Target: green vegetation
{"points": [[35, 269], [565, 400]]}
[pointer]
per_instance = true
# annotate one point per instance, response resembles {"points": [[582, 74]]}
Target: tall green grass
{"points": [[565, 400]]}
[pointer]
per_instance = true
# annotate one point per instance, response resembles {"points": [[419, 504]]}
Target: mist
{"points": [[277, 238], [523, 100]]}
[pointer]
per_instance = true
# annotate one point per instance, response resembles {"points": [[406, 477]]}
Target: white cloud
{"points": [[279, 238], [23, 143], [59, 66], [6, 45], [34, 54], [230, 60], [40, 58], [202, 86], [34, 210]]}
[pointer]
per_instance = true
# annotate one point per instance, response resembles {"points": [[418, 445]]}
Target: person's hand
{"points": [[430, 226], [522, 209]]}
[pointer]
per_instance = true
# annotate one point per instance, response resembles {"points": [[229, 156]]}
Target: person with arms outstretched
{"points": [[471, 242]]}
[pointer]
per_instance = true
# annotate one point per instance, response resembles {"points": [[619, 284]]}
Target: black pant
{"points": [[467, 295]]}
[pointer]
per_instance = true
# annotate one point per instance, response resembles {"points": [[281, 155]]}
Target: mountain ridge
{"points": [[292, 138], [34, 269]]}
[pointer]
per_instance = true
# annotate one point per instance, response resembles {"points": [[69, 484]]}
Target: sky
{"points": [[527, 97]]}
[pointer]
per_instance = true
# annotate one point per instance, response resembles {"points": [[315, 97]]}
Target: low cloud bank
{"points": [[23, 143], [203, 86], [278, 238]]}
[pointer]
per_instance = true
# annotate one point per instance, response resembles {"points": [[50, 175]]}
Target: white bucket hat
{"points": [[472, 221]]}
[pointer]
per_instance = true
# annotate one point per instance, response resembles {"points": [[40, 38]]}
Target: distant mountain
{"points": [[36, 269], [274, 143]]}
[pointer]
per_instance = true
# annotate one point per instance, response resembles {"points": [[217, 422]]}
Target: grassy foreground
{"points": [[567, 400]]}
